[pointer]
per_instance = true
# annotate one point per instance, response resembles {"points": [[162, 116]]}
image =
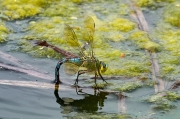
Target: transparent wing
{"points": [[70, 68], [71, 39], [89, 27]]}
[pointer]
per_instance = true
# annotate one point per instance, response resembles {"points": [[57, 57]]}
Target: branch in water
{"points": [[59, 50]]}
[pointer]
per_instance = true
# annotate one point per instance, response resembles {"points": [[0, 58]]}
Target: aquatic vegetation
{"points": [[165, 0], [172, 14], [131, 65], [127, 86], [122, 24], [20, 9], [48, 29], [168, 37], [101, 85], [163, 104], [98, 116], [62, 8], [151, 3], [172, 96], [80, 1], [115, 36], [144, 3], [149, 83], [162, 100], [3, 31], [142, 40], [25, 46]]}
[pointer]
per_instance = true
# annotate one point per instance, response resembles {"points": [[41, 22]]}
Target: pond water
{"points": [[25, 96]]}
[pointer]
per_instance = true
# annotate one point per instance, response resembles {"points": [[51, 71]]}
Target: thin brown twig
{"points": [[138, 16], [59, 50]]}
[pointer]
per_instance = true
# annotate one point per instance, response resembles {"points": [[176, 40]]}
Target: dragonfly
{"points": [[85, 61]]}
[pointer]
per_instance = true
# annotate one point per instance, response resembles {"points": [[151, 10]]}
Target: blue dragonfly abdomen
{"points": [[75, 61]]}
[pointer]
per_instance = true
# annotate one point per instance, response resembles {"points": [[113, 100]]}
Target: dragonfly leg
{"points": [[79, 73], [101, 76], [95, 79]]}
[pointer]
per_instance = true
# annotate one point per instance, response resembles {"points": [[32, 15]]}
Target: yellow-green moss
{"points": [[144, 3], [162, 100], [128, 86], [141, 39], [168, 59], [167, 69], [150, 3], [83, 115], [15, 10], [20, 9], [122, 24], [38, 51], [172, 14], [115, 36], [61, 8], [168, 37], [101, 85], [3, 31], [165, 0], [80, 1], [125, 67]]}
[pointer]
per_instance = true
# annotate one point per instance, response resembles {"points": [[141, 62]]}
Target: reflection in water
{"points": [[90, 103], [121, 103]]}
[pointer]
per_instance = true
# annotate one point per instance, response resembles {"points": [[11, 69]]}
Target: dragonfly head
{"points": [[103, 66]]}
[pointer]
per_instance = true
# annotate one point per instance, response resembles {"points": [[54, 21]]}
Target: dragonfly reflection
{"points": [[85, 60], [90, 103]]}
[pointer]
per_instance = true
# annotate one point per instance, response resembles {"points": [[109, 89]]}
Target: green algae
{"points": [[144, 3], [142, 40], [163, 104], [127, 86], [150, 83], [132, 64], [168, 37], [3, 31], [132, 70], [172, 14], [20, 9], [37, 51], [164, 100], [151, 3], [98, 116], [47, 29], [61, 8], [122, 24], [169, 64], [172, 96], [101, 85]]}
